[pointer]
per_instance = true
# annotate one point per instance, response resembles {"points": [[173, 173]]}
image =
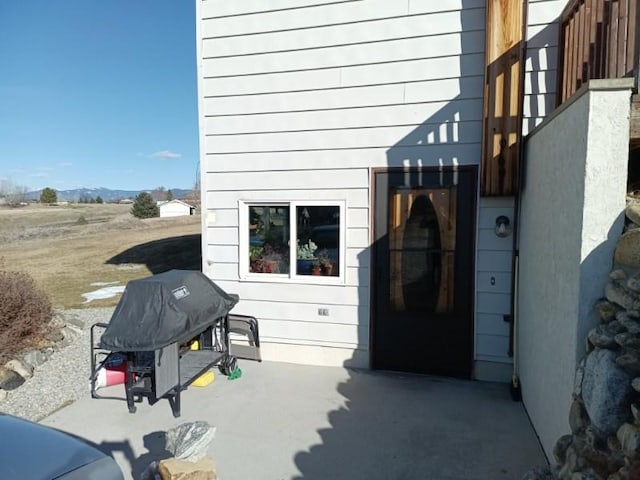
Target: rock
{"points": [[628, 249], [606, 389], [620, 295], [601, 337], [635, 411], [629, 437], [35, 358], [628, 340], [69, 334], [176, 469], [539, 473], [577, 379], [634, 471], [632, 212], [593, 439], [70, 331], [615, 327], [560, 448], [54, 335], [190, 441], [578, 418], [630, 363], [573, 463], [587, 475], [618, 274], [629, 323], [600, 463], [606, 310], [635, 384], [74, 321], [3, 394], [633, 283], [25, 371], [9, 380], [613, 444], [622, 474]]}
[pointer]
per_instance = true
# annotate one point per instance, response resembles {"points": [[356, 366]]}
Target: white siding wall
{"points": [[493, 298], [299, 99]]}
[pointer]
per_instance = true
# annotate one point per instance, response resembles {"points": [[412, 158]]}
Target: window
{"points": [[268, 239], [298, 240]]}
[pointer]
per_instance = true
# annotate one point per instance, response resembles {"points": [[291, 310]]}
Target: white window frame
{"points": [[291, 277]]}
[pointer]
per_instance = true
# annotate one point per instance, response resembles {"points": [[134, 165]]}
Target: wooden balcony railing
{"points": [[598, 39]]}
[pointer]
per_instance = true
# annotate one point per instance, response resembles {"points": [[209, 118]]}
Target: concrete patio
{"points": [[292, 422]]}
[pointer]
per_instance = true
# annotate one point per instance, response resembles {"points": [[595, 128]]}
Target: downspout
{"points": [[516, 393]]}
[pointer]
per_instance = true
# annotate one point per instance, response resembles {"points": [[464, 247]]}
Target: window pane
{"points": [[422, 236], [269, 239], [318, 242]]}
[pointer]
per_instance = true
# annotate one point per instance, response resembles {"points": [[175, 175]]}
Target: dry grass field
{"points": [[66, 249]]}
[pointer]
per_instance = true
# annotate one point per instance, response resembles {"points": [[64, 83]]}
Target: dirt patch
{"points": [[65, 258]]}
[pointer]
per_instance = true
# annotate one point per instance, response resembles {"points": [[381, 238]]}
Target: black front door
{"points": [[423, 271]]}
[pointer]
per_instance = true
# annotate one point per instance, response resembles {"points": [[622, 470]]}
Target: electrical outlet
{"points": [[323, 312]]}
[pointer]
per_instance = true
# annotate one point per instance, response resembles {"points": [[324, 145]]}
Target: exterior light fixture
{"points": [[503, 226]]}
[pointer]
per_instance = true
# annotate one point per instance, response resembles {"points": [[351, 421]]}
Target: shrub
{"points": [[25, 311], [48, 195], [144, 206]]}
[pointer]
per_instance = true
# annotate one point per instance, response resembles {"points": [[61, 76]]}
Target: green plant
{"points": [[144, 206], [255, 252], [25, 311], [306, 251], [48, 195]]}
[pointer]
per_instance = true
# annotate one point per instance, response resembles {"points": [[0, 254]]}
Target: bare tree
{"points": [[13, 193], [159, 193]]}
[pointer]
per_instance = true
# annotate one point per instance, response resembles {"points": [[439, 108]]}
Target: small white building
{"points": [[175, 208]]}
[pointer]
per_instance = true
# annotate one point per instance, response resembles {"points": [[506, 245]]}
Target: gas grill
{"points": [[166, 331]]}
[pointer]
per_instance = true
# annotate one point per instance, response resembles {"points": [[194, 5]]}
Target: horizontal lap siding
{"points": [[493, 282], [298, 100]]}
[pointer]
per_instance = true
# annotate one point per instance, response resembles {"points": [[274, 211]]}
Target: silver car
{"points": [[35, 452]]}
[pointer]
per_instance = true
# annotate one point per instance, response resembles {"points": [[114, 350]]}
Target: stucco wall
{"points": [[571, 215]]}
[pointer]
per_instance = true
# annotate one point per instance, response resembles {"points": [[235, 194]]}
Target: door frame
{"points": [[474, 171]]}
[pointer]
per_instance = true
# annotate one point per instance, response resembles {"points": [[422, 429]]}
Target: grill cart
{"points": [[152, 334]]}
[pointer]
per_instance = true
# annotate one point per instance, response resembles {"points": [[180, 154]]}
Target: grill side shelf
{"points": [[196, 362]]}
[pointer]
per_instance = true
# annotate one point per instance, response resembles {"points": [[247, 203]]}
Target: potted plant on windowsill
{"points": [[326, 265], [266, 259], [306, 259]]}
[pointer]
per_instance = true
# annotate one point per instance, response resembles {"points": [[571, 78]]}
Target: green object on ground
{"points": [[236, 373]]}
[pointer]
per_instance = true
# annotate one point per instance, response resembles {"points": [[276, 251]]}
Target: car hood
{"points": [[37, 452]]}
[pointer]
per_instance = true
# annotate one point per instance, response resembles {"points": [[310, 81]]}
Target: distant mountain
{"points": [[106, 194]]}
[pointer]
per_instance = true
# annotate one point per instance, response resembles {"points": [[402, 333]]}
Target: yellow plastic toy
{"points": [[203, 380]]}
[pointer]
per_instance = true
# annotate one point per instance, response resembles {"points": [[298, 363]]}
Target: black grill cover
{"points": [[173, 306]]}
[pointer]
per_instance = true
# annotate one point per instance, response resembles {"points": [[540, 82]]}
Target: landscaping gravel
{"points": [[64, 377]]}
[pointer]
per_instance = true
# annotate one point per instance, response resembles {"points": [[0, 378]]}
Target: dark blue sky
{"points": [[98, 93]]}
